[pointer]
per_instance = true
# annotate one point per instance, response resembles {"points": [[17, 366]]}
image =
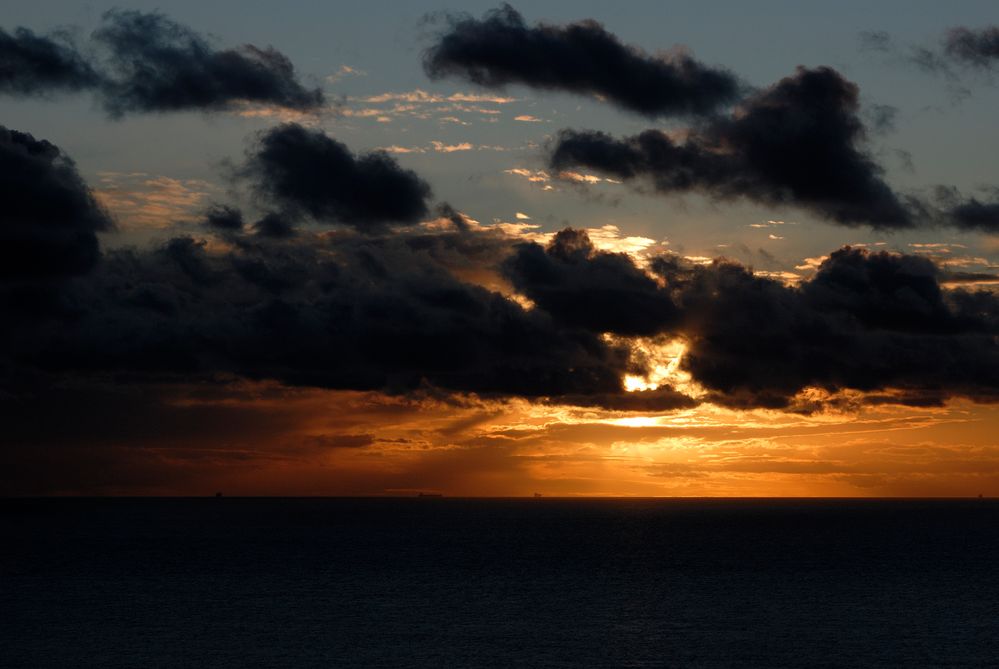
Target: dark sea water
{"points": [[498, 583]]}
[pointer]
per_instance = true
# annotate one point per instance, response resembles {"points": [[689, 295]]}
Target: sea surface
{"points": [[498, 583]]}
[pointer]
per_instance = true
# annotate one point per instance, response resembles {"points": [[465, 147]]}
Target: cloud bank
{"points": [[397, 311]]}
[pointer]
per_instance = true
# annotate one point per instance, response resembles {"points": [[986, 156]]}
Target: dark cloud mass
{"points": [[797, 143], [390, 314], [48, 216], [146, 62], [396, 311], [976, 216], [582, 287], [581, 57], [964, 212], [274, 225], [974, 47], [33, 64], [865, 322], [160, 65], [364, 314], [307, 172], [375, 311], [223, 217]]}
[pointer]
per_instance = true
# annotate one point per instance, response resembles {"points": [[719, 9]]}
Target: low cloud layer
{"points": [[366, 314], [145, 62], [584, 58], [398, 311], [868, 322]]}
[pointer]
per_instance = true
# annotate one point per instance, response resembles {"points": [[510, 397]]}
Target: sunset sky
{"points": [[364, 248]]}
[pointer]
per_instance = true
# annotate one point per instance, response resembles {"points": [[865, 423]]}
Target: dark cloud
{"points": [[306, 172], [798, 143], [406, 311], [975, 215], [33, 64], [581, 57], [865, 322], [145, 62], [392, 314], [48, 216], [974, 47], [275, 226], [596, 290], [964, 212], [223, 217], [362, 313], [160, 65], [968, 277]]}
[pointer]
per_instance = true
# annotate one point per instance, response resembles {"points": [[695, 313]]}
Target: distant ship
{"points": [[430, 494], [537, 494]]}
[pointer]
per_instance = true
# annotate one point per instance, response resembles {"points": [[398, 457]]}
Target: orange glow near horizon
{"points": [[283, 441]]}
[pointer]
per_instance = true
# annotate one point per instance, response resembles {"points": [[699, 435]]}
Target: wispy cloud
{"points": [[140, 200], [345, 72]]}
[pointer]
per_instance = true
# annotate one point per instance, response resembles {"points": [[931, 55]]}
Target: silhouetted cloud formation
{"points": [[305, 171], [798, 142], [971, 214], [596, 290], [161, 65], [391, 314], [976, 215], [395, 311], [48, 216], [367, 314], [149, 63], [223, 217], [974, 47], [274, 225], [868, 322], [33, 64], [581, 57]]}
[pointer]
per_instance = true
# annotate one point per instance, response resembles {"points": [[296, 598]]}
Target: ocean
{"points": [[442, 582]]}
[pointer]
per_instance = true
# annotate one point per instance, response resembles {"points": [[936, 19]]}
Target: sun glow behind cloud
{"points": [[482, 150], [664, 366], [281, 440]]}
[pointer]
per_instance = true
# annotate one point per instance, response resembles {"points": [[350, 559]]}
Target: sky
{"points": [[692, 249]]}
